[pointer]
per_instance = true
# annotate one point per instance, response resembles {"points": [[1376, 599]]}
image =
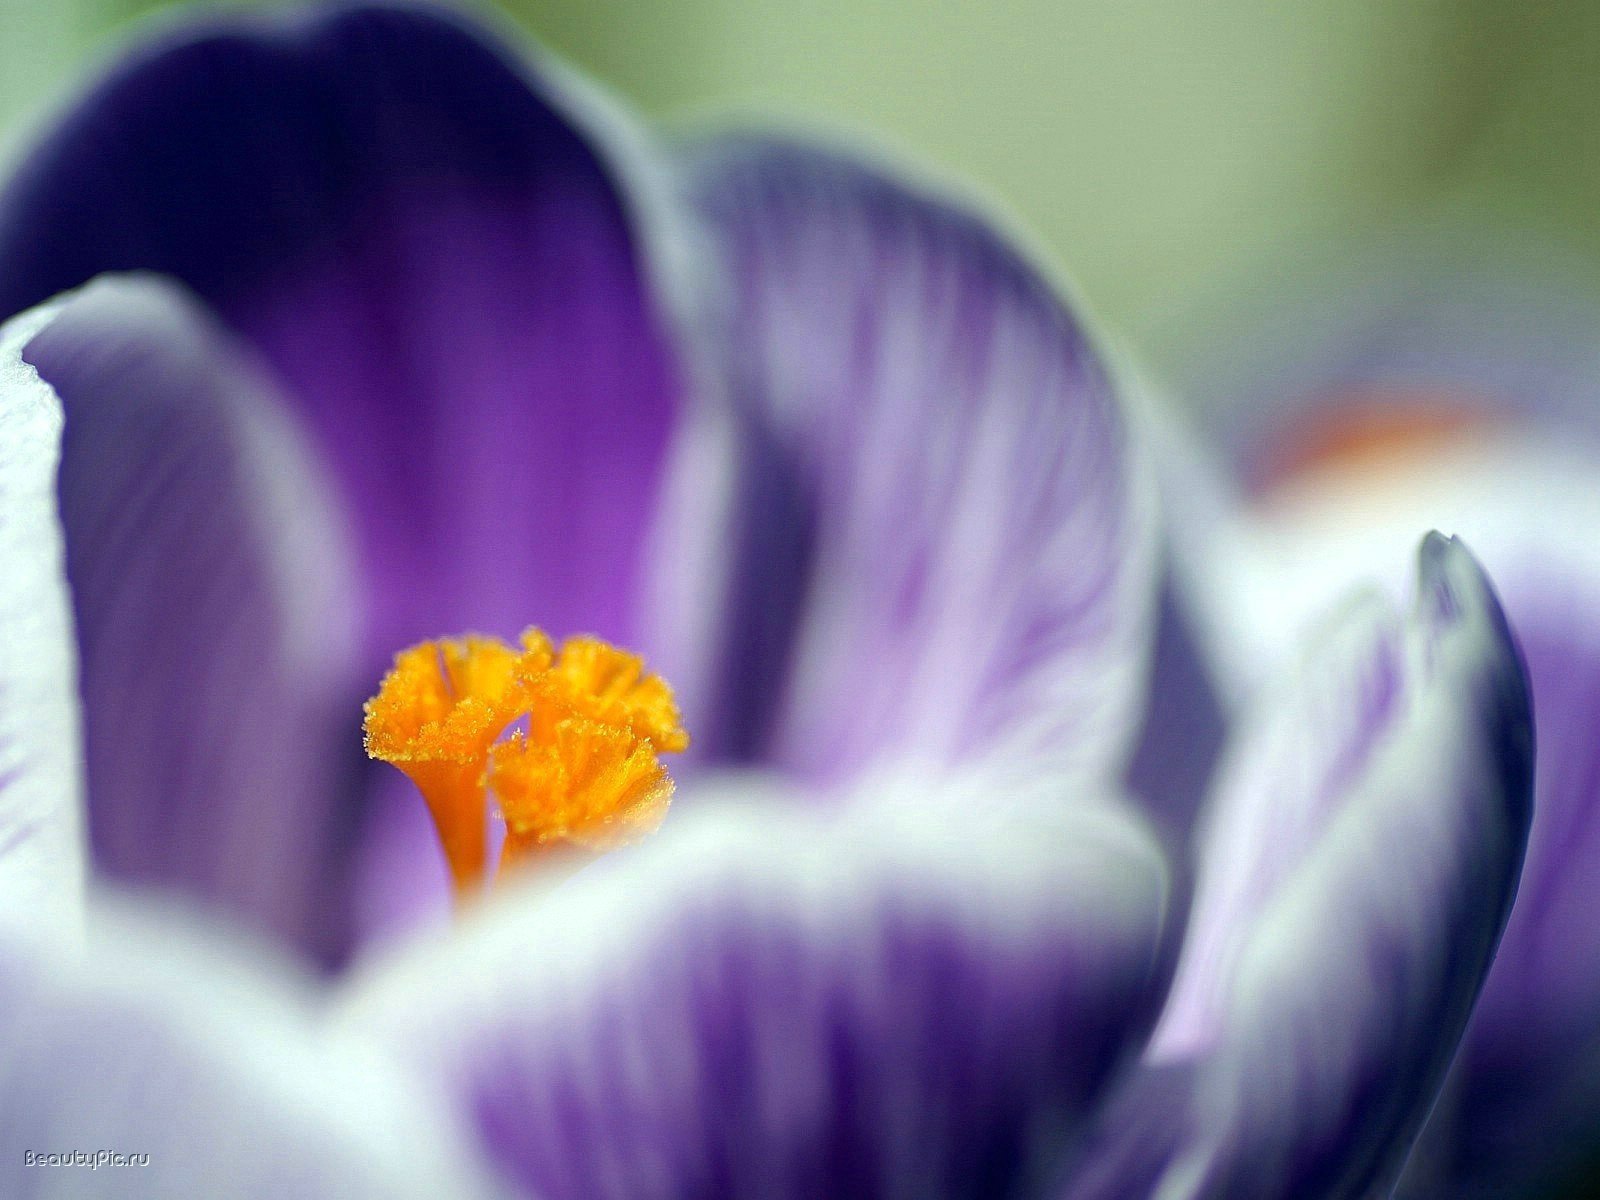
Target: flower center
{"points": [[586, 772]]}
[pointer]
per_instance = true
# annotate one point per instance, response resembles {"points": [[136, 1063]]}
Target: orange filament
{"points": [[585, 774], [436, 714]]}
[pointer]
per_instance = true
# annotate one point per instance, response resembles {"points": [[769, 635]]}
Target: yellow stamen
{"points": [[607, 685], [586, 772], [436, 714], [576, 782]]}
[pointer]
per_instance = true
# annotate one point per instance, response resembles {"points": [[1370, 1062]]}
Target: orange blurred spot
{"points": [[1374, 429]]}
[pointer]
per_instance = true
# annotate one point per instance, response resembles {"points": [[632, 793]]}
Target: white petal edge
{"points": [[1006, 861], [42, 853]]}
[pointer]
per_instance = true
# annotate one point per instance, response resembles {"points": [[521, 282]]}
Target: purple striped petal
{"points": [[1515, 351], [921, 996], [1360, 859], [437, 264], [939, 538], [213, 617], [41, 777], [157, 1042], [1521, 1109], [1521, 1112]]}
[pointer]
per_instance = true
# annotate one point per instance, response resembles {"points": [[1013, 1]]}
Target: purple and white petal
{"points": [[214, 616], [440, 266], [1503, 344], [939, 541], [1521, 1107], [1362, 853], [921, 995], [160, 1040], [41, 773]]}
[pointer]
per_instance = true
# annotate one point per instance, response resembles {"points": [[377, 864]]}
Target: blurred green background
{"points": [[1156, 148]]}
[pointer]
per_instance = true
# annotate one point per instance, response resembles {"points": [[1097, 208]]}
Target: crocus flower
{"points": [[1427, 379], [423, 338]]}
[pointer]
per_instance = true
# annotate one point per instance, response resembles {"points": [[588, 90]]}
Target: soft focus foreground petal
{"points": [[922, 996], [940, 535], [1362, 852], [214, 618], [158, 1041], [433, 259], [41, 774]]}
